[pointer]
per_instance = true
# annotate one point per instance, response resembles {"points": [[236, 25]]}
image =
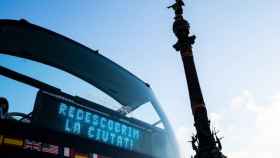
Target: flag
{"points": [[12, 141], [79, 155], [72, 153], [66, 152], [32, 145], [1, 139], [98, 156], [52, 149], [94, 156]]}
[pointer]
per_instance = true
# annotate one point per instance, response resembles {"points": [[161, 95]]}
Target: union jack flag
{"points": [[52, 149], [32, 145]]}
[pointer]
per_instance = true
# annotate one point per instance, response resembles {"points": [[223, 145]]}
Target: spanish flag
{"points": [[79, 155], [12, 141]]}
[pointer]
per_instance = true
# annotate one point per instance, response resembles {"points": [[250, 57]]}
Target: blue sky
{"points": [[236, 53]]}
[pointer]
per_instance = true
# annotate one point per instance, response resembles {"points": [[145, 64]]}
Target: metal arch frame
{"points": [[23, 39]]}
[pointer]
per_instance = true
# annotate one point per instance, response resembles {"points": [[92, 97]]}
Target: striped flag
{"points": [[70, 152], [32, 145], [98, 156], [94, 156], [66, 152], [12, 141], [80, 155], [52, 149]]}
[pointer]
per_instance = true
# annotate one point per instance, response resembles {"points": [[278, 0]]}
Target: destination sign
{"points": [[97, 127], [65, 116]]}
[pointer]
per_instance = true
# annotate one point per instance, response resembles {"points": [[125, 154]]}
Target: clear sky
{"points": [[236, 54]]}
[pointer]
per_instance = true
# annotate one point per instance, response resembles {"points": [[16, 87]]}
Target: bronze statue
{"points": [[194, 141], [181, 27], [178, 7]]}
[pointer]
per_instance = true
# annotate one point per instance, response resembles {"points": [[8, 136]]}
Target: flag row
{"points": [[37, 146]]}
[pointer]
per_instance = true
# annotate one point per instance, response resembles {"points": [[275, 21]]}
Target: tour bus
{"points": [[116, 116]]}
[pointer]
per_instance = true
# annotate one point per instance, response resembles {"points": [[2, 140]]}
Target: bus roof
{"points": [[23, 39]]}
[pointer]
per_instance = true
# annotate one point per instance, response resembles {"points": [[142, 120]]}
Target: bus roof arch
{"points": [[23, 39]]}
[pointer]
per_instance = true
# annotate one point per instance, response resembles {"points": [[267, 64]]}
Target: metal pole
{"points": [[205, 143]]}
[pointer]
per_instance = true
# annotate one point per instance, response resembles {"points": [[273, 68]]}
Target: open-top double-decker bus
{"points": [[65, 125]]}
